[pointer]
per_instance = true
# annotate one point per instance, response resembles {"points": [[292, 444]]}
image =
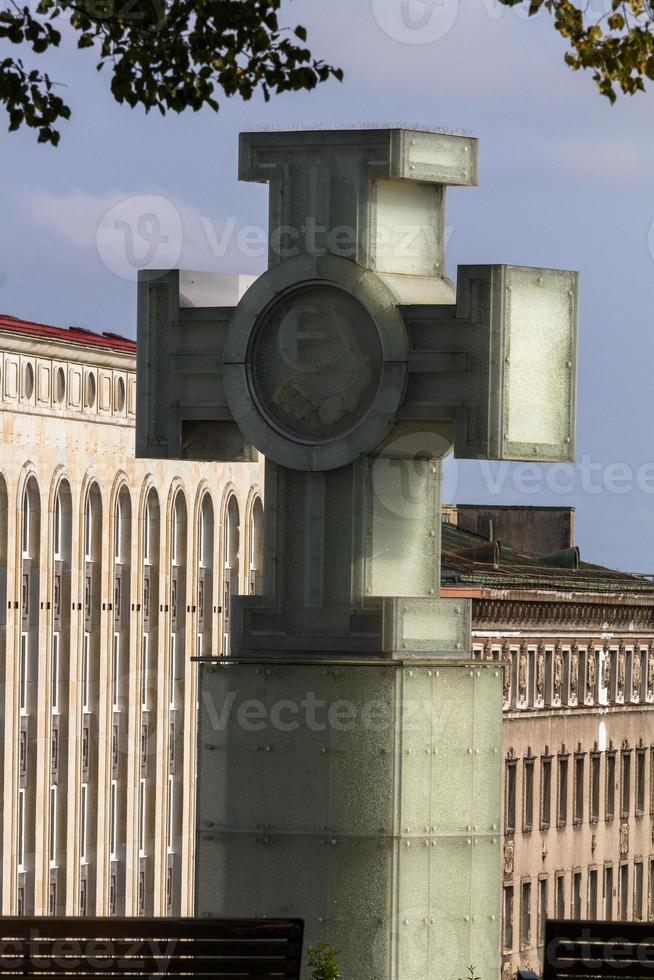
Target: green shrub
{"points": [[323, 963]]}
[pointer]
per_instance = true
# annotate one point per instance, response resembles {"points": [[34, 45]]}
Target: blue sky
{"points": [[565, 181]]}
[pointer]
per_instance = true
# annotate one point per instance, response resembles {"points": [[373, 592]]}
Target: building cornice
{"points": [[618, 612]]}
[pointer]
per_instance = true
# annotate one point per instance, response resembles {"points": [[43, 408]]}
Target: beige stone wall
{"points": [[565, 710], [63, 434]]}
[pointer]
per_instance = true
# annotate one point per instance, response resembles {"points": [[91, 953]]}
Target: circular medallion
{"points": [[315, 363]]}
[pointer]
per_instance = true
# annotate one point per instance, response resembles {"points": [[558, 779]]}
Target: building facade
{"points": [[576, 642], [114, 573]]}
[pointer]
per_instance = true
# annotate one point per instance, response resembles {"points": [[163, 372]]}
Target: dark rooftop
{"points": [[471, 559]]}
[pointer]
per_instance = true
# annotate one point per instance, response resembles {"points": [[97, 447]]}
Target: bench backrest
{"points": [[232, 949], [598, 949]]}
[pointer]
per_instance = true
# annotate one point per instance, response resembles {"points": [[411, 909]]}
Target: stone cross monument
{"points": [[349, 749]]}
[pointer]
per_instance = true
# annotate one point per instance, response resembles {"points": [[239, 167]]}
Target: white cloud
{"points": [[131, 230]]}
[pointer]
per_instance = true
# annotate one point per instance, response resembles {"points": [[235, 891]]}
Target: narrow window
{"points": [[542, 909], [638, 890], [172, 667], [560, 896], [576, 895], [86, 667], [201, 531], [144, 672], [171, 791], [525, 914], [57, 528], [20, 855], [511, 775], [640, 782], [142, 818], [83, 822], [174, 535], [508, 917], [115, 673], [146, 535], [113, 817], [610, 786], [608, 892], [562, 808], [595, 788], [54, 698], [651, 781], [579, 789], [623, 899], [545, 792], [625, 793], [528, 809], [88, 529], [118, 532], [24, 648], [27, 516], [53, 826], [592, 893], [651, 888]]}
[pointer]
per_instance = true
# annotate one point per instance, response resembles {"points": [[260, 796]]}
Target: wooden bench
{"points": [[231, 949], [598, 949]]}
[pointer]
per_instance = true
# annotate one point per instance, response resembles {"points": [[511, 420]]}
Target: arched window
{"points": [[177, 594], [176, 676], [148, 678], [204, 635], [27, 692], [59, 676], [94, 677], [117, 842], [256, 548], [230, 564]]}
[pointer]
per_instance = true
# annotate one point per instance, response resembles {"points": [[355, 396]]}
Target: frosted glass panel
{"points": [[487, 739], [452, 799], [340, 888], [452, 883], [484, 917], [540, 332], [438, 157], [403, 534], [408, 233]]}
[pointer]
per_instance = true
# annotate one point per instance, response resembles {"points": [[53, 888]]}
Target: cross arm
{"points": [[499, 366], [182, 409]]}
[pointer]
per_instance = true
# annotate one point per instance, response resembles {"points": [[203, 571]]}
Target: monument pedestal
{"points": [[362, 795]]}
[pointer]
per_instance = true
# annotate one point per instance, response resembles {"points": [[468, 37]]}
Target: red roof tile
{"points": [[70, 335]]}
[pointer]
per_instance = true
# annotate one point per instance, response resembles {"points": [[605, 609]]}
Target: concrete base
{"points": [[362, 796]]}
